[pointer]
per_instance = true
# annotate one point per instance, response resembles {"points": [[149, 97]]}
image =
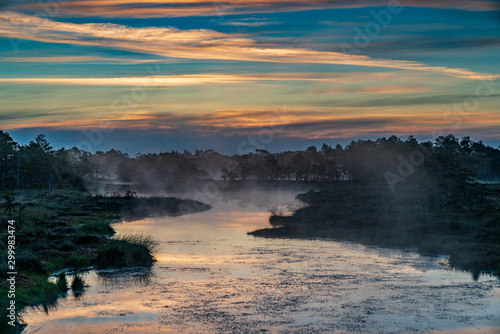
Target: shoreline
{"points": [[71, 231], [363, 214]]}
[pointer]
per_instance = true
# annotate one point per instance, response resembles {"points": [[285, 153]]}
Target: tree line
{"points": [[391, 160], [37, 165]]}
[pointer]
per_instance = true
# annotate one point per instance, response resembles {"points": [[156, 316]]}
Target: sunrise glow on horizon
{"points": [[160, 75]]}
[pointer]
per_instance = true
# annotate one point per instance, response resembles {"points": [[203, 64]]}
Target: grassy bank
{"points": [[55, 230], [371, 214]]}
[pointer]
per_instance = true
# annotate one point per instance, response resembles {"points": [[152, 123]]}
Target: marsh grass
{"points": [[100, 227], [142, 240], [65, 229], [128, 250], [78, 261]]}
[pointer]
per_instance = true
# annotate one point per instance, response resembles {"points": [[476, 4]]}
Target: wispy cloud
{"points": [[375, 89], [249, 22], [77, 59], [220, 78], [298, 122], [159, 81], [338, 23], [409, 46], [194, 44], [180, 8]]}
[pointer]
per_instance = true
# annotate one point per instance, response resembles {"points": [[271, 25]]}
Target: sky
{"points": [[238, 75]]}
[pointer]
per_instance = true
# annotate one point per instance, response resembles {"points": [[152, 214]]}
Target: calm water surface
{"points": [[211, 277]]}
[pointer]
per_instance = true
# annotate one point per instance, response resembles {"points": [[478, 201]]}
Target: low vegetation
{"points": [[432, 196], [370, 214], [126, 251], [69, 230], [389, 192]]}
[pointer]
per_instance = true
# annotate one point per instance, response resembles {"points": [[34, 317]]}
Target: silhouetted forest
{"points": [[38, 166], [431, 195], [391, 160]]}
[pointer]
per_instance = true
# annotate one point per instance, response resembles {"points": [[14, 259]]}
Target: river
{"points": [[211, 277]]}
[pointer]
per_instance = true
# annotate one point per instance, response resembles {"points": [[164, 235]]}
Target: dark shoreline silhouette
{"points": [[440, 197]]}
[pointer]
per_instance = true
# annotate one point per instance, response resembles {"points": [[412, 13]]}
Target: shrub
{"points": [[28, 262], [127, 251], [78, 261]]}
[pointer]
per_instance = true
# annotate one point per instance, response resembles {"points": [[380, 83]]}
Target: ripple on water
{"points": [[213, 278]]}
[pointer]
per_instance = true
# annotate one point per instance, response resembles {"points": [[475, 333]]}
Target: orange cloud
{"points": [[176, 8], [219, 78], [134, 119], [376, 89], [317, 123], [153, 81], [194, 44], [69, 124], [75, 59], [290, 122]]}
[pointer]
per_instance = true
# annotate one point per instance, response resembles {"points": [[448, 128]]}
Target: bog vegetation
{"points": [[441, 197]]}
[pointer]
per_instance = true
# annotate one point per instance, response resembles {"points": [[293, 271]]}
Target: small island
{"points": [[432, 197]]}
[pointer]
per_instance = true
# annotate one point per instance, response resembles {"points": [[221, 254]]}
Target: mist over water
{"points": [[213, 277], [250, 166]]}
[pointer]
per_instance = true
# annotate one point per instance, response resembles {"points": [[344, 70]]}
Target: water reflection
{"points": [[77, 290], [108, 279], [47, 306], [126, 276], [78, 286], [211, 277]]}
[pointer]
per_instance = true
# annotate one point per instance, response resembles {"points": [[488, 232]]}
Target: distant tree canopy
{"points": [[391, 160], [36, 165]]}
